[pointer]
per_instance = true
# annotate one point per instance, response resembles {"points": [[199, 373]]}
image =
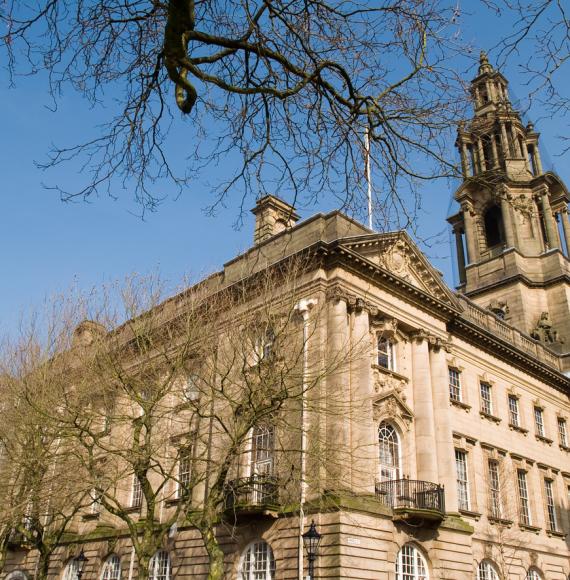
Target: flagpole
{"points": [[367, 174]]}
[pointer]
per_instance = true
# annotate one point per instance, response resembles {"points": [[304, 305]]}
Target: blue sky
{"points": [[47, 246]]}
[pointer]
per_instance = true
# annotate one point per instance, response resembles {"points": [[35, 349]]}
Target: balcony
{"points": [[256, 494], [413, 501]]}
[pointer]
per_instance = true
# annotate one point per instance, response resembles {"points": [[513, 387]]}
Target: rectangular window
{"points": [[494, 489], [562, 432], [462, 479], [386, 354], [95, 506], [486, 402], [454, 384], [523, 498], [514, 416], [550, 509], [184, 470], [136, 493], [539, 421]]}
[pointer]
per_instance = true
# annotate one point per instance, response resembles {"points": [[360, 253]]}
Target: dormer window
{"points": [[386, 353]]}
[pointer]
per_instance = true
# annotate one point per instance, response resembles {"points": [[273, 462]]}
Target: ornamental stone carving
{"points": [[544, 332]]}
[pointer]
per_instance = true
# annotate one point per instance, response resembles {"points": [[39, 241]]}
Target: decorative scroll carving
{"points": [[391, 404], [499, 308]]}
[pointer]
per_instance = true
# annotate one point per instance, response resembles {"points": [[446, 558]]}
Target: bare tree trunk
{"points": [[215, 553]]}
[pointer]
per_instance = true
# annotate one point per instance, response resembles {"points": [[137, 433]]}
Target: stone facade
{"points": [[453, 457]]}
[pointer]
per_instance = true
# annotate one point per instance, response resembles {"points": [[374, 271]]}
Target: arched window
{"points": [[486, 571], [388, 452], [70, 570], [410, 564], [533, 574], [159, 566], [111, 568], [494, 230], [258, 562]]}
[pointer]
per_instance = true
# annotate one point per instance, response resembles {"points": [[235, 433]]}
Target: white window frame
{"points": [[514, 411], [495, 503], [562, 431], [385, 353], [159, 567], [551, 517], [533, 574], [257, 559], [455, 388], [539, 421], [525, 515], [184, 470], [70, 570], [463, 494], [136, 492], [486, 570], [487, 398], [111, 568], [389, 446], [411, 564], [262, 450]]}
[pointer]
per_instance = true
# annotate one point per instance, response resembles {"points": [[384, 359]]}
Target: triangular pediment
{"points": [[396, 253]]}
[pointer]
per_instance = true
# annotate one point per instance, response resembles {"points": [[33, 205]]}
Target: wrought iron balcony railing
{"points": [[412, 496], [253, 491]]}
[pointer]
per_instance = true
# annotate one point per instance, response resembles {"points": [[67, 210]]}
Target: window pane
{"points": [[514, 411], [550, 509], [112, 568], [539, 421], [523, 498], [159, 566], [494, 489], [388, 452], [386, 353], [562, 433], [410, 564], [258, 562], [486, 404], [462, 479], [454, 384]]}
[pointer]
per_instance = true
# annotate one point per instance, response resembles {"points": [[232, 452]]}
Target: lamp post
{"points": [[80, 562], [311, 540]]}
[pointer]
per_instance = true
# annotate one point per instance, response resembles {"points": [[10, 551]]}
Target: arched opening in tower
{"points": [[494, 228]]}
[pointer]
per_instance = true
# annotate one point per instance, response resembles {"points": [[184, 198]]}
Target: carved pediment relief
{"points": [[390, 399], [397, 253]]}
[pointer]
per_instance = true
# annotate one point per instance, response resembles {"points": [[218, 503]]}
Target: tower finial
{"points": [[484, 65]]}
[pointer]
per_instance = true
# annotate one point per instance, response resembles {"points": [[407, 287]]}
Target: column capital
{"points": [[437, 344], [467, 207]]}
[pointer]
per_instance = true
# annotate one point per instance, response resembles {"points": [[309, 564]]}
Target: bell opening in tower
{"points": [[494, 228]]}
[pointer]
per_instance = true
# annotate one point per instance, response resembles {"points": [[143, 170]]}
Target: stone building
{"points": [[453, 459]]}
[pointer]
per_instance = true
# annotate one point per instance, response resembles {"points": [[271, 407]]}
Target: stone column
{"points": [[338, 460], [426, 459], [505, 141], [494, 149], [470, 234], [481, 153], [507, 220], [549, 223], [537, 160], [460, 252], [443, 432], [465, 160], [566, 228], [363, 434]]}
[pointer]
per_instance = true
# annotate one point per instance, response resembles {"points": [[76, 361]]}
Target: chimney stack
{"points": [[272, 215]]}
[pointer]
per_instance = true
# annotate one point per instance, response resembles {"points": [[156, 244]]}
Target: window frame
{"points": [[463, 491], [395, 451], [550, 505], [486, 570], [495, 502], [539, 421], [533, 574], [418, 561], [514, 411], [525, 513], [166, 573], [116, 567], [455, 386], [136, 499], [184, 470], [248, 558], [389, 352], [562, 431], [486, 403]]}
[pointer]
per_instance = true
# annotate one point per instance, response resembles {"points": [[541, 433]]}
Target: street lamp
{"points": [[80, 562], [311, 540]]}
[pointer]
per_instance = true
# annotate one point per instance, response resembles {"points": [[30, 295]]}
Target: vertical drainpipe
{"points": [[303, 307]]}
